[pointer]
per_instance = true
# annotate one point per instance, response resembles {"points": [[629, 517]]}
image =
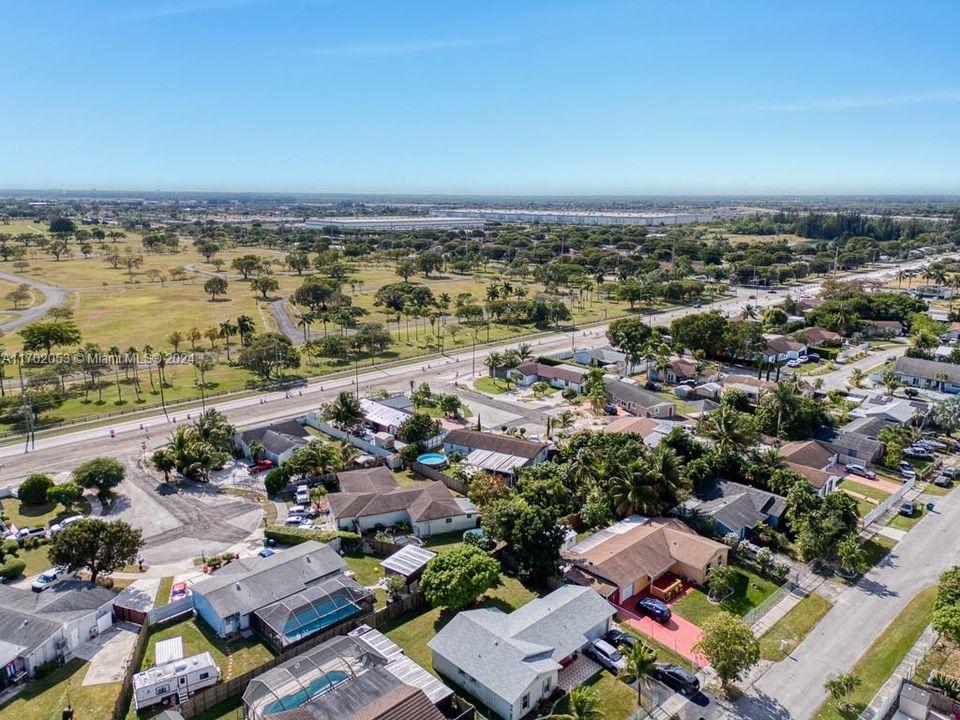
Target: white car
{"points": [[45, 580], [296, 511], [302, 498], [65, 523], [607, 655], [293, 521]]}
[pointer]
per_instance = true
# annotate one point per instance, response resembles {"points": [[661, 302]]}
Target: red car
{"points": [[259, 467], [178, 591]]}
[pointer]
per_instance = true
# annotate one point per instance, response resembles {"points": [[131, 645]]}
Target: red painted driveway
{"points": [[679, 635]]}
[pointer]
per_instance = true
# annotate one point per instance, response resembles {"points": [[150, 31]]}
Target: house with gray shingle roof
{"points": [[278, 440], [738, 508], [511, 661]]}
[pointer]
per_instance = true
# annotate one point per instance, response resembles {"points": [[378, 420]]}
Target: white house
{"points": [[371, 498], [780, 349], [558, 376], [277, 441], [512, 661], [928, 374]]}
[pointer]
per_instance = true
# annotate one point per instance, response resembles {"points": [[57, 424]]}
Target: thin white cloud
{"points": [[853, 103], [394, 48], [148, 11]]}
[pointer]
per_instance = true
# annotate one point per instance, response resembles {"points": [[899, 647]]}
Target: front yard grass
{"points": [[413, 630], [46, 698], [163, 592], [866, 490], [197, 638], [883, 656], [935, 490], [749, 590], [902, 522], [491, 386], [793, 627], [876, 549], [40, 515], [615, 698]]}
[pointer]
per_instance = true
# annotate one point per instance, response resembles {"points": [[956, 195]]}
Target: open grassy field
{"points": [[46, 698], [792, 628], [884, 654]]}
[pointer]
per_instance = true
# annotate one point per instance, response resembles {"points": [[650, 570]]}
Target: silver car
{"points": [[607, 655]]}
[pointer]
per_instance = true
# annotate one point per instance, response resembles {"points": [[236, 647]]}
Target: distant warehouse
{"points": [[552, 217], [419, 222]]}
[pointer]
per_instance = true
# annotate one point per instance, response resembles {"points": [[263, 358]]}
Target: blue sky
{"points": [[552, 97]]}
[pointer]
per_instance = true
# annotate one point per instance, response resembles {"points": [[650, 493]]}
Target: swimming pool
{"points": [[310, 619], [432, 460], [317, 686]]}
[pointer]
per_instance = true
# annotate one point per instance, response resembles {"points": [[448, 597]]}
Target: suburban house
{"points": [[277, 441], [603, 357], [228, 599], [953, 333], [893, 410], [359, 676], [370, 498], [635, 400], [882, 328], [512, 661], [750, 386], [850, 446], [780, 349], [641, 555], [805, 305], [652, 431], [814, 461], [495, 453], [737, 508], [681, 369], [47, 627], [817, 336], [386, 414], [928, 374], [558, 376]]}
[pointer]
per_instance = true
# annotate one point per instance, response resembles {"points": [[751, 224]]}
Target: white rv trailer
{"points": [[175, 679]]}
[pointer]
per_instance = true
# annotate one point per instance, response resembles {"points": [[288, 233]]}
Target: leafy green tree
{"points": [[595, 512], [46, 335], [372, 338], [34, 489], [718, 581], [264, 285], [67, 494], [19, 295], [417, 428], [487, 488], [298, 262], [531, 532], [98, 546], [456, 578], [62, 226], [247, 265], [343, 411], [730, 646], [850, 554], [215, 286], [102, 474], [406, 268], [269, 353]]}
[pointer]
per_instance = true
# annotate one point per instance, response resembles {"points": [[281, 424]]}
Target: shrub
{"points": [[10, 547], [12, 567], [395, 586], [42, 671], [34, 489], [825, 353], [411, 452], [276, 481], [568, 393]]}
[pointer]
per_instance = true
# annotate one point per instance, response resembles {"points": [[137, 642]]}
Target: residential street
{"points": [[793, 688]]}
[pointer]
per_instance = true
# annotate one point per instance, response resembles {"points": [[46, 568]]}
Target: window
{"points": [[526, 702], [204, 676], [546, 686], [448, 520]]}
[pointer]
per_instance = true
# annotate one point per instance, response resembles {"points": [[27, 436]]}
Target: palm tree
{"points": [[305, 320], [245, 328], [494, 361], [582, 704], [783, 399], [227, 331], [524, 352], [344, 411], [641, 661], [584, 467], [729, 429], [632, 492], [856, 377]]}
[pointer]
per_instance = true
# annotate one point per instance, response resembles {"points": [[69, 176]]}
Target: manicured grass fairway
{"points": [[749, 590], [46, 698], [793, 627], [883, 656]]}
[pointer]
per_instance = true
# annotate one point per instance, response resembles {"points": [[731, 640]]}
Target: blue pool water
{"points": [[432, 459], [311, 619], [322, 683]]}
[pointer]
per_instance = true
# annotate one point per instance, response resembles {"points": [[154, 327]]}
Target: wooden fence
{"points": [[435, 474], [221, 692]]}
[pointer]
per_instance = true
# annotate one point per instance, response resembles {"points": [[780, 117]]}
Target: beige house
{"points": [[631, 556]]}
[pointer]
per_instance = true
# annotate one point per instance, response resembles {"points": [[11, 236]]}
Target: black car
{"points": [[619, 638], [654, 608], [655, 386], [674, 676]]}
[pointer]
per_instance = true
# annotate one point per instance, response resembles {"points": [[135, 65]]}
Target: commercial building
{"points": [[416, 222]]}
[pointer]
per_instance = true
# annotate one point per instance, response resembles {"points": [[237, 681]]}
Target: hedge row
{"points": [[295, 535], [824, 353]]}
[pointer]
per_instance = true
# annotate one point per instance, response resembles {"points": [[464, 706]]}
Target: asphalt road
{"points": [[52, 297]]}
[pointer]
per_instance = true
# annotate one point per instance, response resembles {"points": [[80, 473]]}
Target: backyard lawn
{"points": [[883, 656], [793, 627], [444, 541], [366, 568], [46, 698], [415, 629], [246, 654], [749, 590]]}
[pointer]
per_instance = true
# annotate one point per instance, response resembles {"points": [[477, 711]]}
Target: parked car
{"points": [[860, 470], [891, 359], [296, 511], [267, 552], [651, 385], [907, 509], [65, 523], [619, 638], [656, 609], [794, 363], [689, 382], [813, 357], [951, 472], [24, 533], [676, 677], [942, 481], [302, 495], [610, 409], [178, 591], [917, 451], [45, 580], [259, 467], [751, 297], [607, 655], [293, 521], [931, 444]]}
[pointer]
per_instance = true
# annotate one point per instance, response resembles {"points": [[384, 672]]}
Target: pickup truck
{"points": [[259, 467]]}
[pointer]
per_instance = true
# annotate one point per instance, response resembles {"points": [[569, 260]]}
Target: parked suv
{"points": [[677, 678], [619, 638], [607, 655], [861, 471], [656, 609], [45, 580]]}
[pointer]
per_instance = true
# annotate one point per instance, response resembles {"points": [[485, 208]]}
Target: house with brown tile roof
{"points": [[371, 498], [814, 461], [558, 376], [627, 558], [818, 336]]}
